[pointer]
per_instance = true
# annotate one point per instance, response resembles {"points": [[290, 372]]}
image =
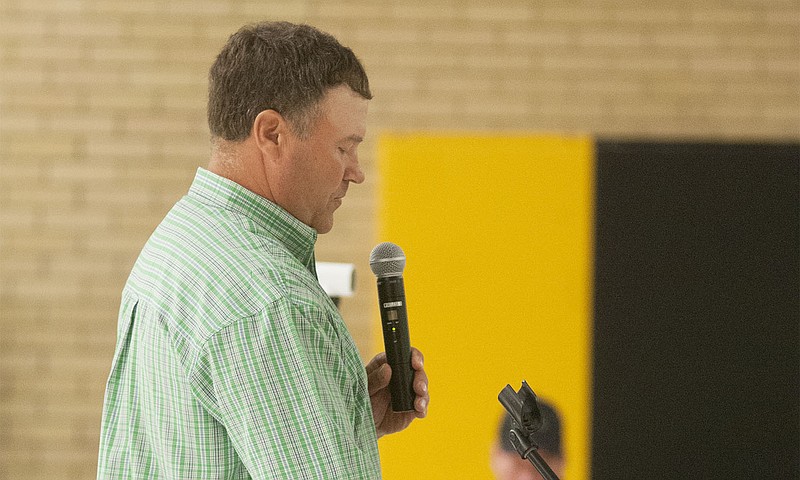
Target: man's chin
{"points": [[324, 226]]}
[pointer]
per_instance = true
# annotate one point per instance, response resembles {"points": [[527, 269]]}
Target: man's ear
{"points": [[267, 127]]}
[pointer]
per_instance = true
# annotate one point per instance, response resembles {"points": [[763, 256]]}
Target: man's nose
{"points": [[354, 173]]}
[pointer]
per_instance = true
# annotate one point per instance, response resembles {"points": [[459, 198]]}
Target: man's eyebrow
{"points": [[355, 138]]}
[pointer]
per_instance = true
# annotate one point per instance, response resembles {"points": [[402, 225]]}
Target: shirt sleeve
{"points": [[259, 381]]}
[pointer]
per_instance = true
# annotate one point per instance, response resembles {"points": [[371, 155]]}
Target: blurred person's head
{"points": [[505, 460]]}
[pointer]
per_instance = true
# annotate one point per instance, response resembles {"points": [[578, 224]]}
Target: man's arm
{"points": [[263, 390]]}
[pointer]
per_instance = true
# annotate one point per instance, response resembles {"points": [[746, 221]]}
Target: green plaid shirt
{"points": [[231, 361]]}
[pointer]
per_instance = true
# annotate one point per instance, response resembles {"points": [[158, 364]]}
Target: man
{"points": [[231, 361], [506, 462]]}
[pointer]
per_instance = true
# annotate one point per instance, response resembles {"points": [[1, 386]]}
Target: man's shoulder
{"points": [[211, 263]]}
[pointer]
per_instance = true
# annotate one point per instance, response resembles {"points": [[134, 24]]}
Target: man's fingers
{"points": [[417, 359], [421, 407], [378, 378], [376, 362], [423, 396], [421, 383]]}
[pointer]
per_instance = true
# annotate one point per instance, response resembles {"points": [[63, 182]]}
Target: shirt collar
{"points": [[296, 236]]}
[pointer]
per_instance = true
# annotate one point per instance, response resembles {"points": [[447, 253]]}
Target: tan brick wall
{"points": [[102, 124]]}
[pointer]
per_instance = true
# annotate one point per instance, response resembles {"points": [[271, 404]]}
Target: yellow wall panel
{"points": [[497, 235]]}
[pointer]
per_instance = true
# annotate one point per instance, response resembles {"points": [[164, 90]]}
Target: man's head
{"points": [[287, 110], [277, 66], [506, 462]]}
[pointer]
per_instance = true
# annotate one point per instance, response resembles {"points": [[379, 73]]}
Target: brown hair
{"points": [[280, 66]]}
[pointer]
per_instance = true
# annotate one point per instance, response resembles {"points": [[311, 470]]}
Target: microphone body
{"points": [[387, 262]]}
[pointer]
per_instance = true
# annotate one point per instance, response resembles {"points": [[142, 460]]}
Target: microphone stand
{"points": [[527, 420]]}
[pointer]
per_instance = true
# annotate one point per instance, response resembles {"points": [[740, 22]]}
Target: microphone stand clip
{"points": [[527, 420]]}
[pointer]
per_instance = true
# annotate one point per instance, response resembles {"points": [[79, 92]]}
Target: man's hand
{"points": [[378, 374]]}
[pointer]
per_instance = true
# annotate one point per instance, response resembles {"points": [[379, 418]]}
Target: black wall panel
{"points": [[697, 311]]}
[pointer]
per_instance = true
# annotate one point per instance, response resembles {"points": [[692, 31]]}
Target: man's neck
{"points": [[240, 162]]}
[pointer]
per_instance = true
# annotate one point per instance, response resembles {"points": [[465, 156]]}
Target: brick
{"points": [[463, 37], [725, 64], [649, 65], [783, 15], [65, 121], [789, 66], [51, 6], [138, 124], [15, 220], [34, 243], [375, 35], [426, 11], [122, 54], [710, 14], [189, 8], [42, 100], [54, 290], [129, 146], [349, 10], [82, 173], [38, 197], [568, 14], [286, 9], [538, 37], [687, 40], [16, 121], [70, 27], [615, 39], [769, 41], [22, 73], [651, 15], [115, 96], [142, 7], [47, 50], [576, 62], [162, 30], [499, 12], [23, 144], [165, 77]]}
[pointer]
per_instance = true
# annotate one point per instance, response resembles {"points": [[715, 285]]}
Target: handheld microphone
{"points": [[387, 262]]}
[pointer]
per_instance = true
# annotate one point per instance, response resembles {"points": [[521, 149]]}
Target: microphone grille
{"points": [[387, 260]]}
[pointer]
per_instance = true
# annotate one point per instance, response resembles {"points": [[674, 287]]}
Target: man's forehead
{"points": [[342, 95]]}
